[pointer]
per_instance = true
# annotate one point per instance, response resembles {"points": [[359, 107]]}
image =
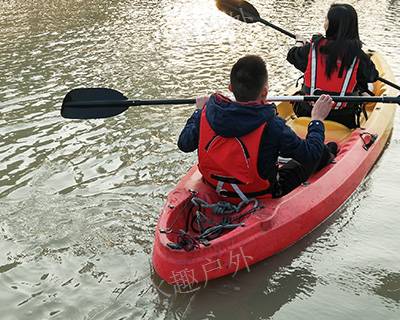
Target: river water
{"points": [[79, 200]]}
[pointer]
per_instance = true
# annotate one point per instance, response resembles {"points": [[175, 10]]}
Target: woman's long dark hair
{"points": [[343, 38]]}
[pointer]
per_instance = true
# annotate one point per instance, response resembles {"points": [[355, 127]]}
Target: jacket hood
{"points": [[232, 119]]}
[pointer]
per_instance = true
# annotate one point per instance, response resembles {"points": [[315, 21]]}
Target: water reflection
{"points": [[389, 286], [264, 292]]}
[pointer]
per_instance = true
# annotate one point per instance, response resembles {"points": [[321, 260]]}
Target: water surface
{"points": [[79, 200]]}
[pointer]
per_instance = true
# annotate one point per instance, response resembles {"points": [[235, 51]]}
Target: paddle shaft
{"points": [[389, 83], [350, 99], [128, 103], [269, 24]]}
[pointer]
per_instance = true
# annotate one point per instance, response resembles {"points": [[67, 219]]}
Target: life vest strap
{"points": [[313, 68], [346, 82], [239, 192], [305, 90], [232, 194], [314, 72], [235, 187], [229, 180]]}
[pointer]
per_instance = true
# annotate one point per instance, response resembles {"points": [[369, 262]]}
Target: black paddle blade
{"points": [[239, 9], [93, 103]]}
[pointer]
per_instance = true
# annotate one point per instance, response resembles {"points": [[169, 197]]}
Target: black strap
{"points": [[226, 179], [306, 90], [358, 116], [232, 194], [369, 92], [298, 80], [249, 195], [364, 111]]}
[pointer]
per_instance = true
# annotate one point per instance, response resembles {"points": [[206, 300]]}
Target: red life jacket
{"points": [[315, 78], [230, 164]]}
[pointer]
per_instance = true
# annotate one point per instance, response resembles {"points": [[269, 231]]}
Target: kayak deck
{"points": [[278, 223]]}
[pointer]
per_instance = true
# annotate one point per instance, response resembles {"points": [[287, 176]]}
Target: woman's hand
{"points": [[201, 101], [300, 41]]}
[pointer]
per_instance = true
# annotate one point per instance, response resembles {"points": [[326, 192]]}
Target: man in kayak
{"points": [[239, 142]]}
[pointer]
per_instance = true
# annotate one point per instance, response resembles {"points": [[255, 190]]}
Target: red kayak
{"points": [[196, 242]]}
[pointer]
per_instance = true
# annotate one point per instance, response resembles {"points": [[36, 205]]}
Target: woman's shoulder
{"points": [[367, 68], [363, 55], [365, 59], [317, 37]]}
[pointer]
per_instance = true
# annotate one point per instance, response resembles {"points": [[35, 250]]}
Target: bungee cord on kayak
{"points": [[208, 221]]}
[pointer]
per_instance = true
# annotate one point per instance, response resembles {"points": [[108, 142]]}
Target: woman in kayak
{"points": [[334, 64]]}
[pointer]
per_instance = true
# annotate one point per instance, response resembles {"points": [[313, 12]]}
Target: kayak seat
{"points": [[285, 110], [379, 90], [334, 131]]}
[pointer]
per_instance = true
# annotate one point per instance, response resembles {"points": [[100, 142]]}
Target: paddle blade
{"points": [[93, 103], [239, 10]]}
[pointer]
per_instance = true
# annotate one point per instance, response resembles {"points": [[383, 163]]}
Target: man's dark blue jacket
{"points": [[230, 119]]}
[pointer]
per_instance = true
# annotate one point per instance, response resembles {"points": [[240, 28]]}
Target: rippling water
{"points": [[79, 200]]}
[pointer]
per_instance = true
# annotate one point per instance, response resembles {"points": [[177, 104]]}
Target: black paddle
{"points": [[244, 11], [98, 103]]}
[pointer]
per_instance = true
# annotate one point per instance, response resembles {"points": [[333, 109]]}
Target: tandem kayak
{"points": [[194, 243]]}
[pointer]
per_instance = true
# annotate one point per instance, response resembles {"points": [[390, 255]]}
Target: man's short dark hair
{"points": [[248, 77]]}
